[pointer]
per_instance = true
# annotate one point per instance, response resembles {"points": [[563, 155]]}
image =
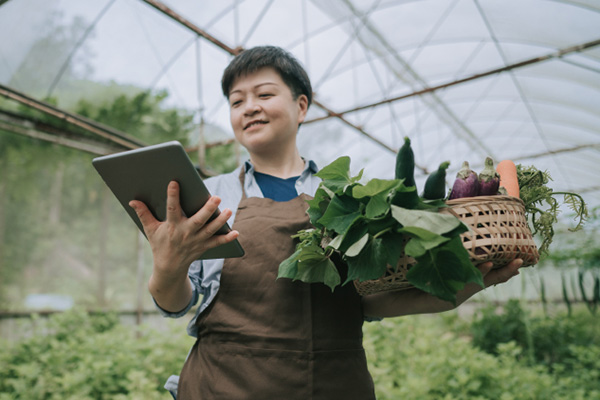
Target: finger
{"points": [[206, 212], [213, 227], [218, 240], [503, 274], [144, 214], [174, 212], [485, 268]]}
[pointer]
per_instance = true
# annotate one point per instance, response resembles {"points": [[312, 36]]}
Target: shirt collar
{"points": [[310, 167]]}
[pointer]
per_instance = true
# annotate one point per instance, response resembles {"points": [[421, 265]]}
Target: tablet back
{"points": [[144, 174]]}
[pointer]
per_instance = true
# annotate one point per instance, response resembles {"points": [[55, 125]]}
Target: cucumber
{"points": [[435, 185], [405, 163], [407, 196]]}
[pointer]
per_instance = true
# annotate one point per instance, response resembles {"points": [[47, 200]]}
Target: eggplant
{"points": [[466, 183], [489, 179]]}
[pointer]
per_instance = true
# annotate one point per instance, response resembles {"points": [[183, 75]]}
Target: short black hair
{"points": [[255, 58]]}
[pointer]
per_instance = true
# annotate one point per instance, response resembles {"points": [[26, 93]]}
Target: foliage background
{"points": [[507, 355]]}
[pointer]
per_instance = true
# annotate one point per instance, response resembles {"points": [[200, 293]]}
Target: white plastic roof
{"points": [[464, 79]]}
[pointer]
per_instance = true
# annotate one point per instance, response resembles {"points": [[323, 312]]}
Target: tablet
{"points": [[144, 174]]}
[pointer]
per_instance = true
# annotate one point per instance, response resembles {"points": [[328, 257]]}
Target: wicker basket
{"points": [[499, 233]]}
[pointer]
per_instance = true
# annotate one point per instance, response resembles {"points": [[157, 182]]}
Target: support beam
{"points": [[89, 125], [558, 151], [234, 51], [558, 54], [160, 6], [19, 124], [63, 141], [26, 126], [358, 128]]}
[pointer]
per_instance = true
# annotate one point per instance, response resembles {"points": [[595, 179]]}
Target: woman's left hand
{"points": [[414, 301], [499, 275]]}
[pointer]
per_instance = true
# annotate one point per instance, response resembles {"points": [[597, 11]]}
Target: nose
{"points": [[252, 106]]}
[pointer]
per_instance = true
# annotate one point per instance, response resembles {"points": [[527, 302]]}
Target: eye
{"points": [[234, 103], [265, 95]]}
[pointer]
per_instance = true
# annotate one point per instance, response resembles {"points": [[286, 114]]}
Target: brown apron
{"points": [[268, 338]]}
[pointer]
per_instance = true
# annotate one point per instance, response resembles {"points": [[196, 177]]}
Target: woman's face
{"points": [[263, 113]]}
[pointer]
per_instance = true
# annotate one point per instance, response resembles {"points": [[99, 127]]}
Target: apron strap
{"points": [[242, 178]]}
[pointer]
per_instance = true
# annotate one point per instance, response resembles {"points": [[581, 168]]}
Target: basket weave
{"points": [[498, 233]]}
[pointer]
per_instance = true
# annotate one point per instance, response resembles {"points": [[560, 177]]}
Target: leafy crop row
{"points": [[506, 355]]}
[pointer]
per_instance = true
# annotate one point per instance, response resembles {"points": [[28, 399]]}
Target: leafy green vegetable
{"points": [[444, 270], [434, 222], [536, 195], [341, 214], [366, 226]]}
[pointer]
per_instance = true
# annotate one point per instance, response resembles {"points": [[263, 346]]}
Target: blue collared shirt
{"points": [[205, 275]]}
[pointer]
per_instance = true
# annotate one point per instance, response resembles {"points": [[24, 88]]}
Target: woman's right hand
{"points": [[179, 240]]}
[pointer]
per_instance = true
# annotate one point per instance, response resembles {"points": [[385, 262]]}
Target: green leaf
{"points": [[317, 206], [457, 231], [392, 243], [378, 225], [429, 204], [336, 170], [336, 176], [341, 214], [357, 246], [374, 187], [348, 189], [310, 264], [420, 233], [322, 270], [311, 252], [417, 247], [377, 206], [288, 268], [336, 242], [444, 271], [353, 235], [429, 220], [371, 263], [421, 240]]}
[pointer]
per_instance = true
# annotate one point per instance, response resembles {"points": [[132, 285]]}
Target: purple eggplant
{"points": [[489, 180], [466, 183]]}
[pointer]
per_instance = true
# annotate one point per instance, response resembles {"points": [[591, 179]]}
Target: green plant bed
{"points": [[77, 356], [430, 357]]}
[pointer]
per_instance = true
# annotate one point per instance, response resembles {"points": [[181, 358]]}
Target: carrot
{"points": [[508, 177]]}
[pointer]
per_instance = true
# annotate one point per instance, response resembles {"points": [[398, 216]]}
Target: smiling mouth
{"points": [[253, 123]]}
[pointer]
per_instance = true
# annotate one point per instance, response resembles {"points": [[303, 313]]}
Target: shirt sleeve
{"points": [[194, 275]]}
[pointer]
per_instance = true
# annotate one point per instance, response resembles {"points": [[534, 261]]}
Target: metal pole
{"points": [[531, 61], [113, 135]]}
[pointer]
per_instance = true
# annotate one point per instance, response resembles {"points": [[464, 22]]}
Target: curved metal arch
{"points": [[521, 64], [546, 121], [536, 100], [449, 42], [578, 5], [406, 114]]}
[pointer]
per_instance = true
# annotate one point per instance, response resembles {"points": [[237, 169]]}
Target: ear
{"points": [[302, 102]]}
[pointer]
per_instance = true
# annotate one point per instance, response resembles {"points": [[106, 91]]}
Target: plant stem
{"points": [[382, 232]]}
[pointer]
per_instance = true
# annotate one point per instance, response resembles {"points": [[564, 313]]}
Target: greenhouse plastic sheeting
{"points": [[464, 79]]}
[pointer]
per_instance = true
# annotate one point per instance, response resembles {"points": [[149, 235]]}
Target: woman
{"points": [[259, 337]]}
